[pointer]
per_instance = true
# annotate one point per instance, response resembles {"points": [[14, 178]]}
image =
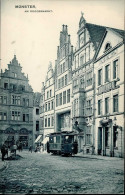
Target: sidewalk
{"points": [[99, 157]]}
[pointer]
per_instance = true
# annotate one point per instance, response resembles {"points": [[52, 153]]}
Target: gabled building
{"points": [[47, 104], [63, 82], [89, 37], [16, 106], [109, 94]]}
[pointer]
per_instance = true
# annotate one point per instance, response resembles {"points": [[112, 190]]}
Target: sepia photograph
{"points": [[62, 96]]}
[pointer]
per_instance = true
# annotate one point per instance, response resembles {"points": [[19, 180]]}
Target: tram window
{"points": [[54, 139], [58, 139], [68, 139]]}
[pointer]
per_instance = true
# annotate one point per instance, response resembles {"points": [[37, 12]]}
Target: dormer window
{"points": [[107, 47]]}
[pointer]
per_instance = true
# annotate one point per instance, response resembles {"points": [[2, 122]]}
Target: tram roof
{"points": [[63, 133]]}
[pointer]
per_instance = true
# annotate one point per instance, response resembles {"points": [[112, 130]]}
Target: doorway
{"points": [[99, 140]]}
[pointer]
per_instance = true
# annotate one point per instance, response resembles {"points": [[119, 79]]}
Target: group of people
{"points": [[13, 148]]}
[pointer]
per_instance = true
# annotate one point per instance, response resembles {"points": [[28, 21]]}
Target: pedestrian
{"points": [[30, 148], [14, 148], [3, 151]]}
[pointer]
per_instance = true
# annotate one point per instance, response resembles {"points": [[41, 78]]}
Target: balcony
{"points": [[78, 89]]}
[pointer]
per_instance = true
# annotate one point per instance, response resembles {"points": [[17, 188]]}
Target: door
{"points": [[99, 140]]}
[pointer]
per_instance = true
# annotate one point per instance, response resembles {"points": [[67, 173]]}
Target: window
{"points": [[107, 73], [49, 106], [62, 81], [46, 107], [3, 116], [106, 105], [115, 69], [50, 92], [64, 67], [64, 97], [15, 115], [115, 103], [37, 125], [81, 60], [27, 102], [88, 135], [37, 111], [47, 94], [57, 100], [99, 107], [23, 117], [58, 83], [66, 79], [48, 122], [108, 46], [89, 107], [60, 99], [68, 95], [3, 100], [100, 77], [52, 107], [89, 78], [5, 85], [45, 122], [52, 121]]}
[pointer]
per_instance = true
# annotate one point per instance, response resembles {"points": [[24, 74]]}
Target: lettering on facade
{"points": [[107, 87], [110, 55]]}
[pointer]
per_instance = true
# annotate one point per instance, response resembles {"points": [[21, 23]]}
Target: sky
{"points": [[34, 36]]}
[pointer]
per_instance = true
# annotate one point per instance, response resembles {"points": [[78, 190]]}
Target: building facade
{"points": [[48, 104], [36, 120], [16, 106], [109, 95], [63, 82], [89, 89], [89, 37]]}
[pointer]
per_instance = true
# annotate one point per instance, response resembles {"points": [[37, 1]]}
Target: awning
{"points": [[38, 138], [45, 140]]}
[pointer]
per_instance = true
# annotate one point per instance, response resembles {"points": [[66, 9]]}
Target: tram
{"points": [[63, 143]]}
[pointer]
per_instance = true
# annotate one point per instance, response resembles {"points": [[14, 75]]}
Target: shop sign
{"points": [[107, 87]]}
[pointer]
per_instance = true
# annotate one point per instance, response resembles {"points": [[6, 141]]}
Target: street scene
{"points": [[43, 173], [62, 97]]}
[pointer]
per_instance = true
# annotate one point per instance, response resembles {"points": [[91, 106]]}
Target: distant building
{"points": [[63, 83], [109, 94], [16, 106], [37, 134]]}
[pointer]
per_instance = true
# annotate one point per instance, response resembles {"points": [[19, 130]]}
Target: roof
{"points": [[97, 32]]}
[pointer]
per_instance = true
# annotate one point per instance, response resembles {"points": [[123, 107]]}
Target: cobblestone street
{"points": [[49, 174]]}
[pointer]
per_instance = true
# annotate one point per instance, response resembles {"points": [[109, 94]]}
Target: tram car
{"points": [[63, 143]]}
